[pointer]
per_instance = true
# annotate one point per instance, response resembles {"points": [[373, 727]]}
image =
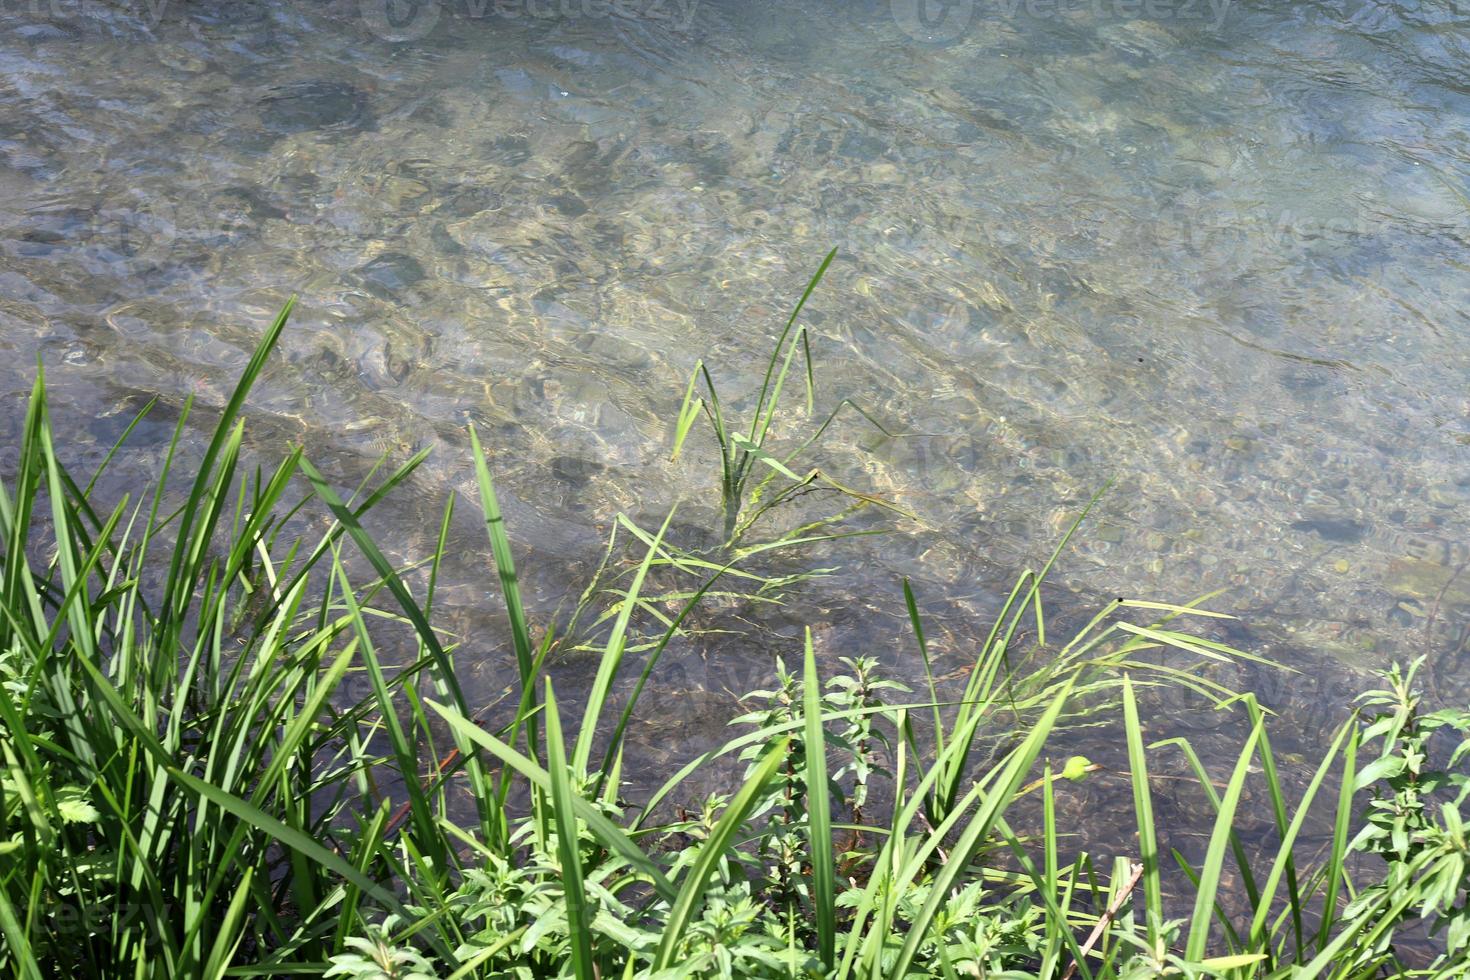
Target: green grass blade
{"points": [[1279, 811], [22, 961], [404, 749], [1242, 859], [993, 803], [1148, 843], [426, 635], [1214, 864], [230, 931], [721, 838], [775, 397], [615, 741], [504, 561], [689, 410], [612, 657], [1057, 928], [116, 445], [917, 625], [756, 427], [819, 810], [179, 587], [567, 847], [1057, 931], [287, 836], [1342, 833], [604, 829], [1283, 863]]}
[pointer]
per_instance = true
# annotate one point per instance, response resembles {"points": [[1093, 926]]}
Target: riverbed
{"points": [[1215, 253]]}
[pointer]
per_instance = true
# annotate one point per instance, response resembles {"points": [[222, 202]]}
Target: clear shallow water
{"points": [[1221, 256]]}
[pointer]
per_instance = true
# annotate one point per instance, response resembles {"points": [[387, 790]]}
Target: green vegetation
{"points": [[744, 454], [190, 790]]}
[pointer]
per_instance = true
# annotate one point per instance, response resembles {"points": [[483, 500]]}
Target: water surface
{"points": [[1219, 255]]}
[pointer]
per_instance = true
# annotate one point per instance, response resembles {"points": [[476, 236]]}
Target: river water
{"points": [[1218, 253]]}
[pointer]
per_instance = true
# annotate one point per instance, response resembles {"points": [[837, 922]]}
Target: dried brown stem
{"points": [[1136, 872]]}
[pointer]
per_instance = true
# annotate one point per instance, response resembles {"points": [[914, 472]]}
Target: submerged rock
{"points": [[247, 206], [1336, 529], [574, 471], [1425, 580], [568, 205], [468, 200], [305, 106], [390, 274], [858, 146]]}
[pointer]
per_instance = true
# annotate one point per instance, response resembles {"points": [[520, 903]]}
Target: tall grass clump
{"points": [[190, 790], [756, 475]]}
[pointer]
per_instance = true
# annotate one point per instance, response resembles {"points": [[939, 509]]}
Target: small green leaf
{"points": [[1385, 768], [72, 804], [1220, 964], [1077, 768]]}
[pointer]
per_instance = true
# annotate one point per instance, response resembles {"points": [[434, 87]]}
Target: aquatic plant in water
{"points": [[759, 485], [755, 478]]}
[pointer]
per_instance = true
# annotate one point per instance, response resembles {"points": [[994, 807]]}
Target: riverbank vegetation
{"points": [[211, 767]]}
